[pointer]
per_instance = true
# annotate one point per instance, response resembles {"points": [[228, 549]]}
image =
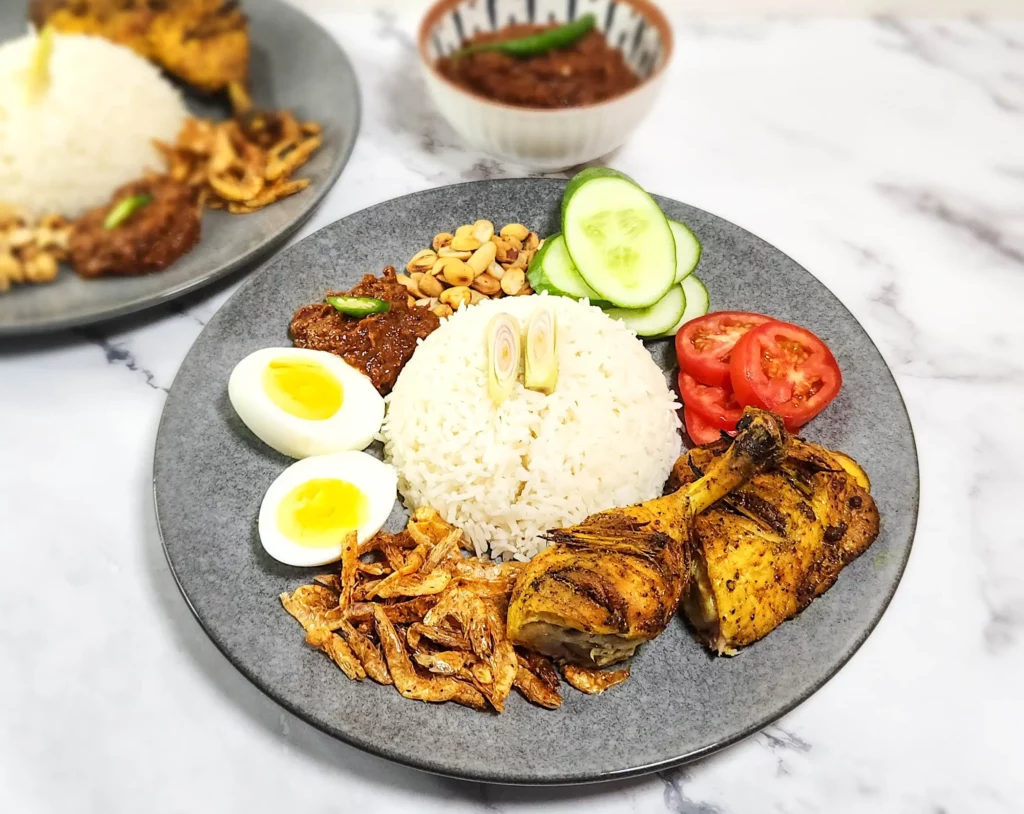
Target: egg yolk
{"points": [[303, 388], [319, 512]]}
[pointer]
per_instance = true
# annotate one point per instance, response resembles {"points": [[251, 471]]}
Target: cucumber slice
{"points": [[687, 249], [552, 271], [618, 238], [656, 319], [697, 303]]}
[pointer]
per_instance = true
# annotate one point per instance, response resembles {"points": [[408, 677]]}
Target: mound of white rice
{"points": [[606, 437], [91, 132]]}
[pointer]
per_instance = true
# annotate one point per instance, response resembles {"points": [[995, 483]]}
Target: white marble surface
{"points": [[887, 157]]}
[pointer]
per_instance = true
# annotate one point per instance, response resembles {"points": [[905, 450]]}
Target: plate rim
{"points": [[254, 255], [511, 778]]}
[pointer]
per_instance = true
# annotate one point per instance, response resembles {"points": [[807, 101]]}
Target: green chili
{"points": [[556, 38], [359, 306], [125, 209]]}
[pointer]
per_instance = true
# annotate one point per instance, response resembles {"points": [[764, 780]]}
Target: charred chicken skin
{"points": [[768, 548], [205, 43], [614, 581]]}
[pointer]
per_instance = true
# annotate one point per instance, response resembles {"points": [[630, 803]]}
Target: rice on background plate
{"points": [[607, 436], [91, 132]]}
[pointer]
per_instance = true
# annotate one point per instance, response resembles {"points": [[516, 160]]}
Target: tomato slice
{"points": [[704, 345], [698, 429], [786, 369], [716, 406]]}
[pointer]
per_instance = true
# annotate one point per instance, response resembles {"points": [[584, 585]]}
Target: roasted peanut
{"points": [[472, 264], [9, 216], [515, 230], [59, 238], [10, 270], [502, 249], [422, 261], [483, 230], [43, 237], [17, 274], [430, 286], [465, 243], [458, 273], [486, 284], [19, 238], [404, 279], [482, 258], [456, 296], [513, 281], [41, 269], [411, 302]]}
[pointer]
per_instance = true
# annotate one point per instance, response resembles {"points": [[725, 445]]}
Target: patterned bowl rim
{"points": [[647, 9]]}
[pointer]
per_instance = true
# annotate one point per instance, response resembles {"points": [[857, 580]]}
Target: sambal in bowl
{"points": [[548, 85]]}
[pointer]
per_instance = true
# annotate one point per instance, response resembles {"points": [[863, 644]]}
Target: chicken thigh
{"points": [[768, 548]]}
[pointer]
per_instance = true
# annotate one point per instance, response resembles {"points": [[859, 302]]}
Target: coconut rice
{"points": [[608, 435], [91, 132]]}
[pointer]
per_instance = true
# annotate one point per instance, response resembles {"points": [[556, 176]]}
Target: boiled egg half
{"points": [[316, 502], [305, 402]]}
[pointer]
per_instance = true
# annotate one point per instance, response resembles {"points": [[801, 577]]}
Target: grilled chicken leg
{"points": [[615, 580], [770, 547], [202, 42]]}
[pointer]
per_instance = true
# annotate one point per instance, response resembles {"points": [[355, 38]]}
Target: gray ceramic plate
{"points": [[210, 474], [295, 65]]}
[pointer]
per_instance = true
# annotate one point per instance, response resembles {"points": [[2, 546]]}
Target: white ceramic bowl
{"points": [[546, 139]]}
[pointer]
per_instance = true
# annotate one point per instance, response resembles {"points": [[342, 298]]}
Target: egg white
{"points": [[374, 478], [353, 426]]}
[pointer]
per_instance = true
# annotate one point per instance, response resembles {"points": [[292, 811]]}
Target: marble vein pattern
{"points": [[886, 155]]}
